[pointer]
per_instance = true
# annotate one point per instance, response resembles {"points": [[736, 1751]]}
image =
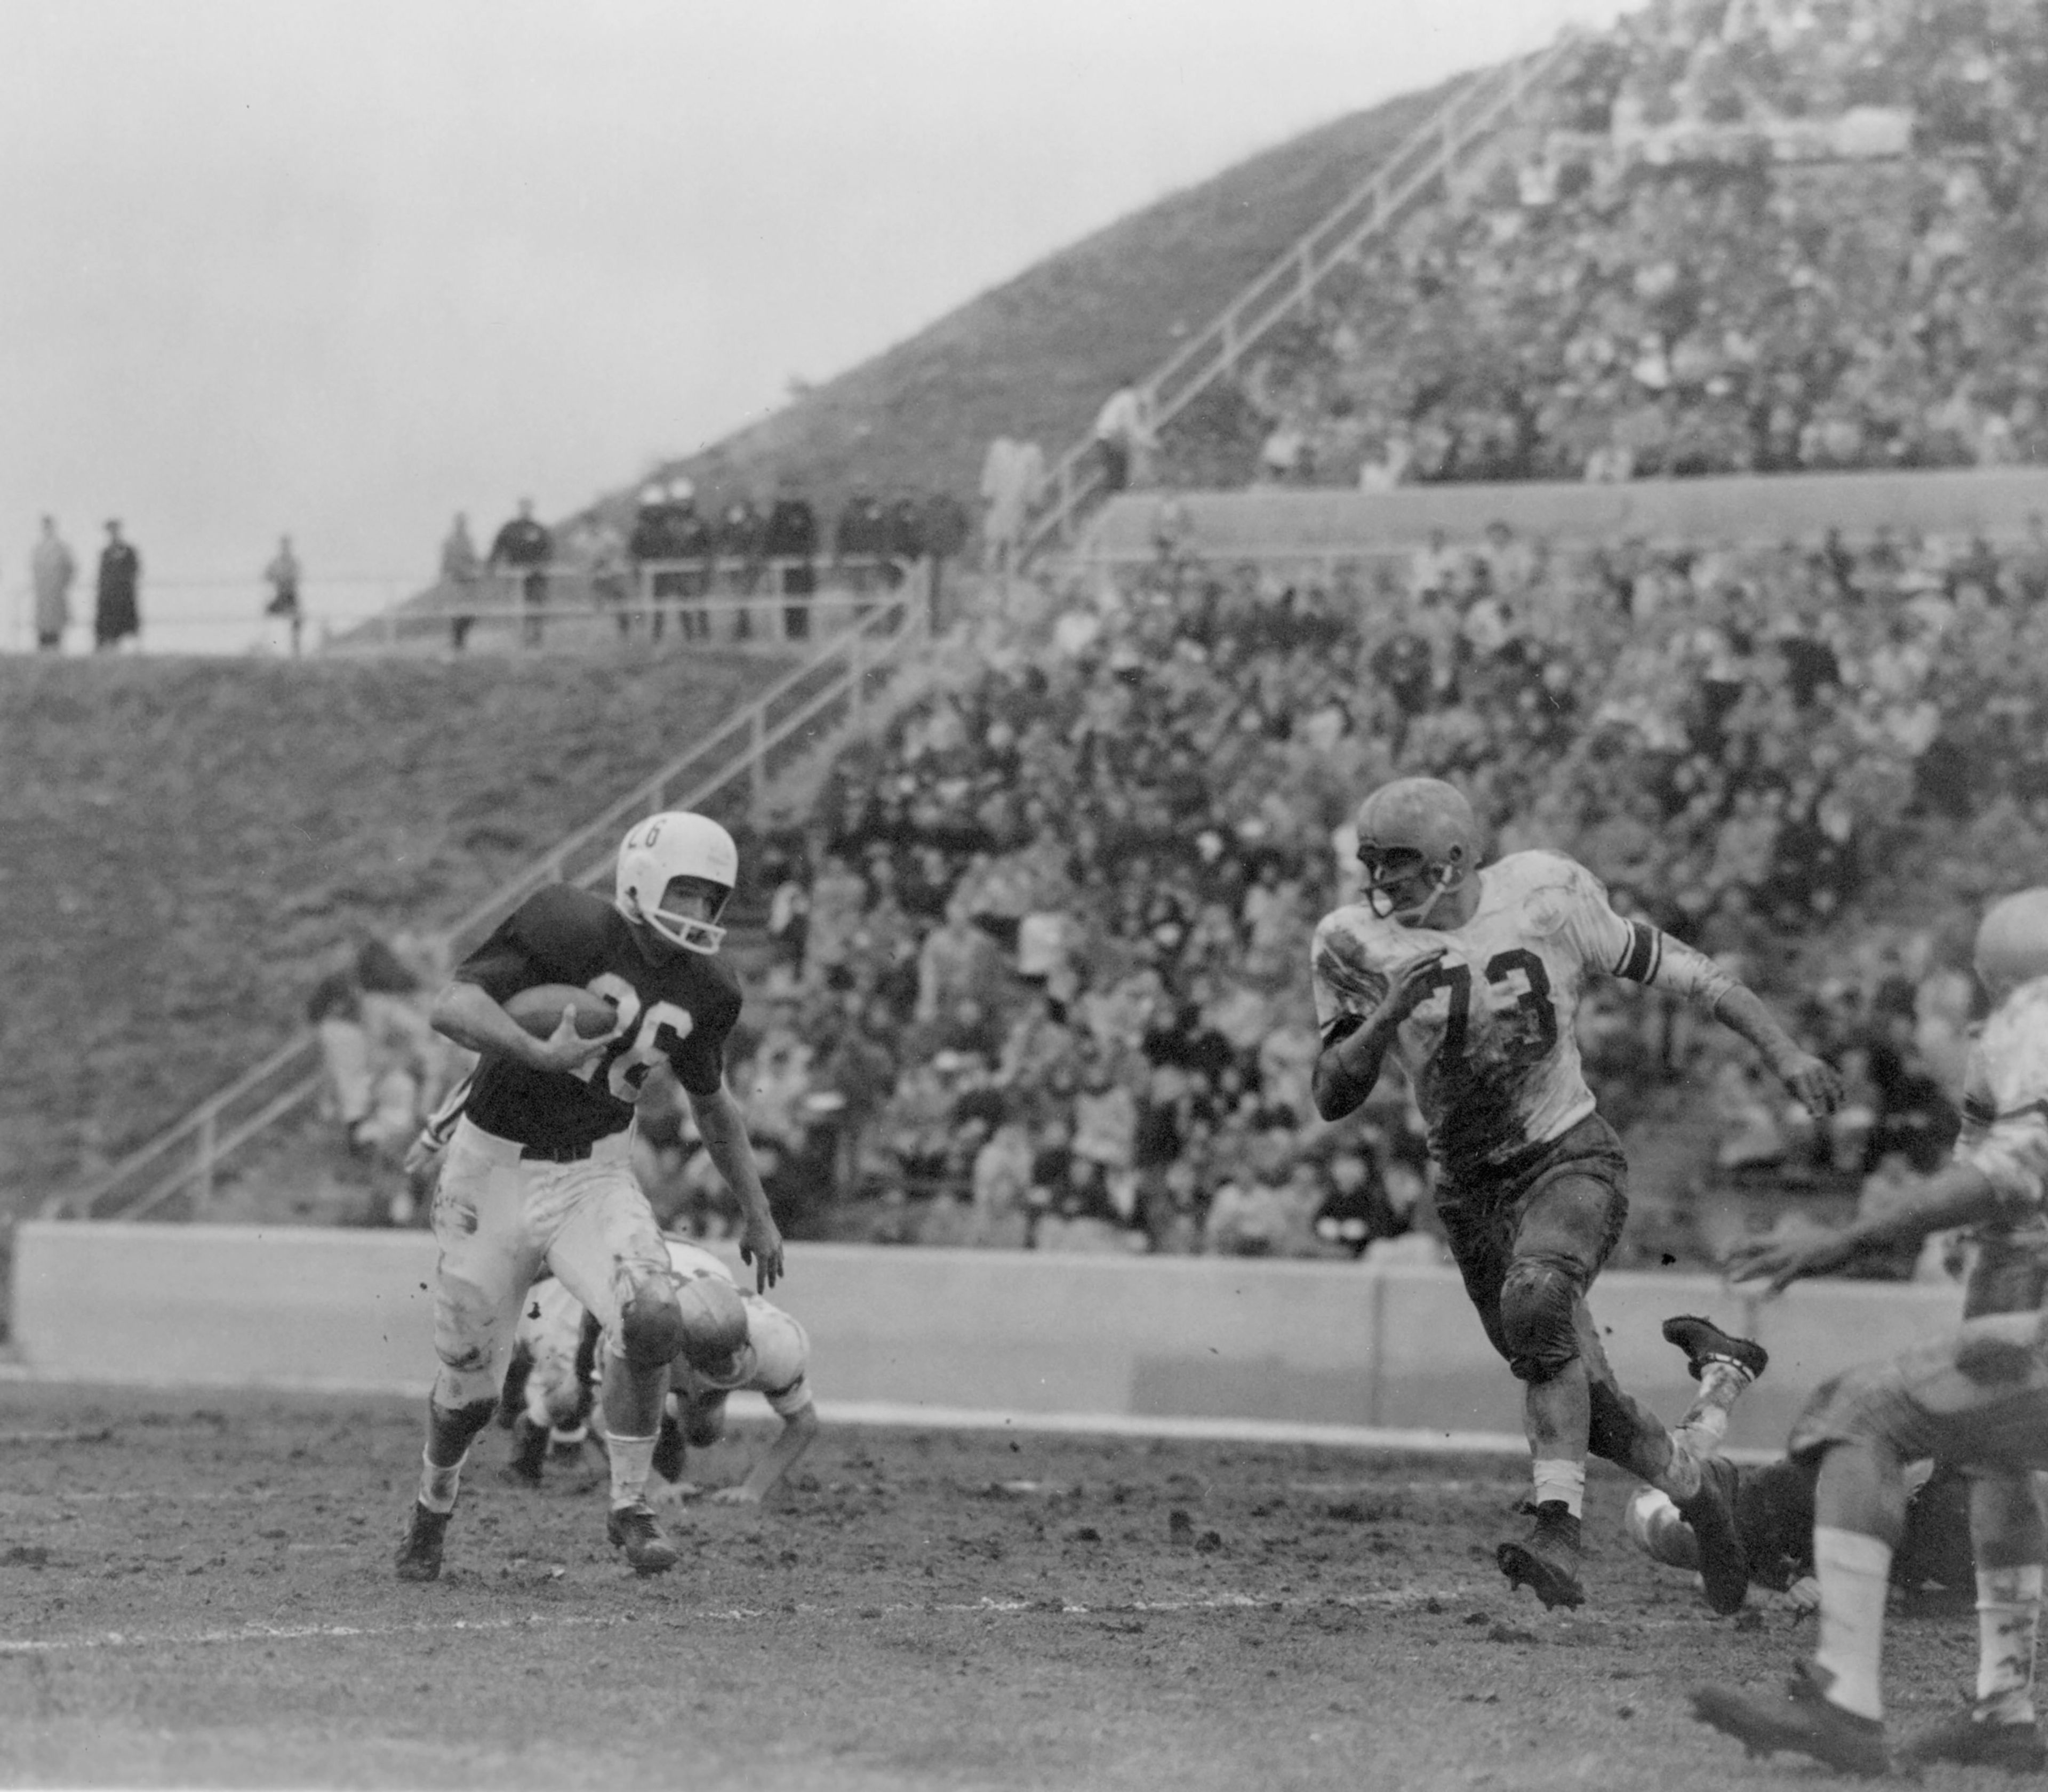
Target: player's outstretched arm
{"points": [[1958, 1195], [1812, 1081], [724, 1133], [776, 1461]]}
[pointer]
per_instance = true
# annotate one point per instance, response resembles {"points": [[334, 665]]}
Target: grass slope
{"points": [[1034, 358], [184, 842]]}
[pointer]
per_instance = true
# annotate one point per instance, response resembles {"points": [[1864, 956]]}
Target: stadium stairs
{"points": [[523, 745], [1451, 146]]}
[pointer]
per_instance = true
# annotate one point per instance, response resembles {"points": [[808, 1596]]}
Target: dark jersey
{"points": [[677, 1005]]}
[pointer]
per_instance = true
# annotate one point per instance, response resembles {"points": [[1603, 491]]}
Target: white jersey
{"points": [[1491, 1051], [2005, 1104], [775, 1362]]}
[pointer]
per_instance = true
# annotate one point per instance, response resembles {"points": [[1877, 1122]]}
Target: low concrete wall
{"points": [[1997, 501], [1200, 1338]]}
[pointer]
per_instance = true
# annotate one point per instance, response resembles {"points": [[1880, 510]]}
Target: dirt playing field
{"points": [[196, 1590]]}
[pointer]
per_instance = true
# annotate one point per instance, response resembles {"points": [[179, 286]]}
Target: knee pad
{"points": [[1536, 1303], [650, 1324], [469, 1415]]}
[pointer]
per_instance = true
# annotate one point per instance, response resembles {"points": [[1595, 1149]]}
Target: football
{"points": [[539, 1010]]}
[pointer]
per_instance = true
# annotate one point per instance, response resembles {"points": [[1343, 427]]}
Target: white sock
{"points": [[438, 1485], [1706, 1421], [1558, 1477], [1854, 1572], [632, 1459], [2008, 1610]]}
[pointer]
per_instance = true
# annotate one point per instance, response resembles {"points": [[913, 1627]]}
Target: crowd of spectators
{"points": [[1038, 962], [729, 569], [1743, 235]]}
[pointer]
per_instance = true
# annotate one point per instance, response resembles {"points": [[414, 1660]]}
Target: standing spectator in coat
{"points": [[689, 540], [1123, 438], [792, 539], [460, 569], [117, 615], [1012, 473], [51, 570], [526, 544], [647, 546], [945, 526], [903, 538], [282, 577], [741, 531]]}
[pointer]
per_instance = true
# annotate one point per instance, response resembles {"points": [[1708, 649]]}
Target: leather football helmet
{"points": [[1418, 843], [676, 844], [2012, 942], [714, 1324]]}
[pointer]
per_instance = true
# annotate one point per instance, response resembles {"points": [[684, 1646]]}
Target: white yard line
{"points": [[1447, 1600]]}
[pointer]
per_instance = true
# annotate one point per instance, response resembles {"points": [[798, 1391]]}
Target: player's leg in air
{"points": [[1527, 1263], [1979, 1398]]}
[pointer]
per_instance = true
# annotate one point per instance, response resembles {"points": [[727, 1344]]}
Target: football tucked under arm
{"points": [[539, 1010]]}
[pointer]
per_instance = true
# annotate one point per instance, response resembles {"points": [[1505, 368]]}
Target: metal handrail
{"points": [[1378, 202], [900, 620]]}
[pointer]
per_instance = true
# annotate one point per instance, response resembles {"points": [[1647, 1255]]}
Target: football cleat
{"points": [[420, 1555], [1724, 1562], [1971, 1737], [635, 1530], [1546, 1561], [1801, 1720], [1704, 1342]]}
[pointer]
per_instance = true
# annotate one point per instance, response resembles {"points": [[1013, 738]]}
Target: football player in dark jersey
{"points": [[538, 1172]]}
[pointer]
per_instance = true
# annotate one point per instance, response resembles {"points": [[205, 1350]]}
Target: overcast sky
{"points": [[343, 267]]}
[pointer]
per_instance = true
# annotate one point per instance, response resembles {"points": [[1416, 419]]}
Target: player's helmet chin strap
{"points": [[1448, 878]]}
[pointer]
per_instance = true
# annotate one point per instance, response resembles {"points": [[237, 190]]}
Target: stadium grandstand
{"points": [[1650, 437]]}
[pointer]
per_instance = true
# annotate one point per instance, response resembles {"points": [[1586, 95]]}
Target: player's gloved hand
{"points": [[760, 1245], [1413, 985], [1780, 1261], [741, 1495], [567, 1050], [1814, 1081]]}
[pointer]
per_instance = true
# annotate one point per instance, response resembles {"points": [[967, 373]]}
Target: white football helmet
{"points": [[676, 844], [2012, 942]]}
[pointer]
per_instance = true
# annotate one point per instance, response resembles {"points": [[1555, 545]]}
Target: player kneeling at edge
{"points": [[1997, 1178], [538, 1173], [732, 1342], [1977, 1398], [1470, 976], [1774, 1514]]}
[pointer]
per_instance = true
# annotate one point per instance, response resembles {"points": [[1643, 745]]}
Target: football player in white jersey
{"points": [[732, 1340], [1470, 978], [1997, 1179]]}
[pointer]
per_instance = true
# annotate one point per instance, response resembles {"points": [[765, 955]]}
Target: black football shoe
{"points": [[1546, 1561], [420, 1555], [635, 1530], [1971, 1737], [1711, 1512], [1801, 1720], [1704, 1342]]}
